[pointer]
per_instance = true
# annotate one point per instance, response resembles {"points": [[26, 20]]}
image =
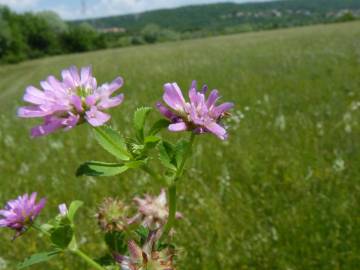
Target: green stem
{"points": [[172, 209], [87, 259], [172, 188], [186, 155]]}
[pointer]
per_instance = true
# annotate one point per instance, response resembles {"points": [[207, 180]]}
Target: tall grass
{"points": [[282, 193]]}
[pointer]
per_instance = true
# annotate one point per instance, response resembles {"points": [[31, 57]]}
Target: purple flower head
{"points": [[200, 115], [72, 101], [18, 214]]}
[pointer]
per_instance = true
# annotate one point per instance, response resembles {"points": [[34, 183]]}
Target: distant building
{"points": [[113, 30]]}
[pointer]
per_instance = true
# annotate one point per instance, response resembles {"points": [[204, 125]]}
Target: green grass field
{"points": [[282, 193]]}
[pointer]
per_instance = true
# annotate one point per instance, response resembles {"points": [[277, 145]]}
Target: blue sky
{"points": [[74, 9]]}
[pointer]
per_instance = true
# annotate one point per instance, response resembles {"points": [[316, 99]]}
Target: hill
{"points": [[220, 16], [33, 35], [287, 196]]}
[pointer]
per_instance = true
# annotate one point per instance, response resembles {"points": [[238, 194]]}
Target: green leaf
{"points": [[143, 233], [74, 207], [162, 245], [116, 242], [135, 164], [62, 236], [158, 126], [167, 153], [98, 168], [180, 151], [151, 141], [140, 116], [38, 258], [46, 227], [112, 142], [107, 260]]}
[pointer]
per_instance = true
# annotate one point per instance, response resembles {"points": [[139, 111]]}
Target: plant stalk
{"points": [[172, 188], [88, 260]]}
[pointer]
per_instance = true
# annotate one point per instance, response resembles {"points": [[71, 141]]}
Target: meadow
{"points": [[282, 193]]}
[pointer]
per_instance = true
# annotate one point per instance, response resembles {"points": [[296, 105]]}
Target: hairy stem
{"points": [[172, 209]]}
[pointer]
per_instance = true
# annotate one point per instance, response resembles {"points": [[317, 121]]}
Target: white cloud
{"points": [[19, 4]]}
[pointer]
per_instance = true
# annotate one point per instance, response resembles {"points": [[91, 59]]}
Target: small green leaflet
{"points": [[112, 142], [181, 148], [99, 168], [158, 126], [140, 116], [167, 153], [38, 258], [74, 207], [62, 236]]}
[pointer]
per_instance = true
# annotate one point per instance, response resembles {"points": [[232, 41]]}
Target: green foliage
{"points": [[281, 193], [140, 116], [82, 38], [28, 35], [215, 18], [38, 258], [181, 149], [33, 35], [98, 168], [172, 155], [158, 126], [73, 208], [151, 33], [112, 142], [62, 235], [116, 145], [143, 234], [347, 17], [167, 155], [116, 242], [54, 21], [61, 229]]}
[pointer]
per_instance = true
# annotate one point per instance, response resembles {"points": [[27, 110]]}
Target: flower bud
{"points": [[112, 215]]}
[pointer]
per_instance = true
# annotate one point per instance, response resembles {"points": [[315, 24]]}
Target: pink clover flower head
{"points": [[152, 211], [199, 115], [20, 213], [66, 103]]}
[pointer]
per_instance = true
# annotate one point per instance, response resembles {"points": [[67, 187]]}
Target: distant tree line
{"points": [[217, 17], [33, 35]]}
